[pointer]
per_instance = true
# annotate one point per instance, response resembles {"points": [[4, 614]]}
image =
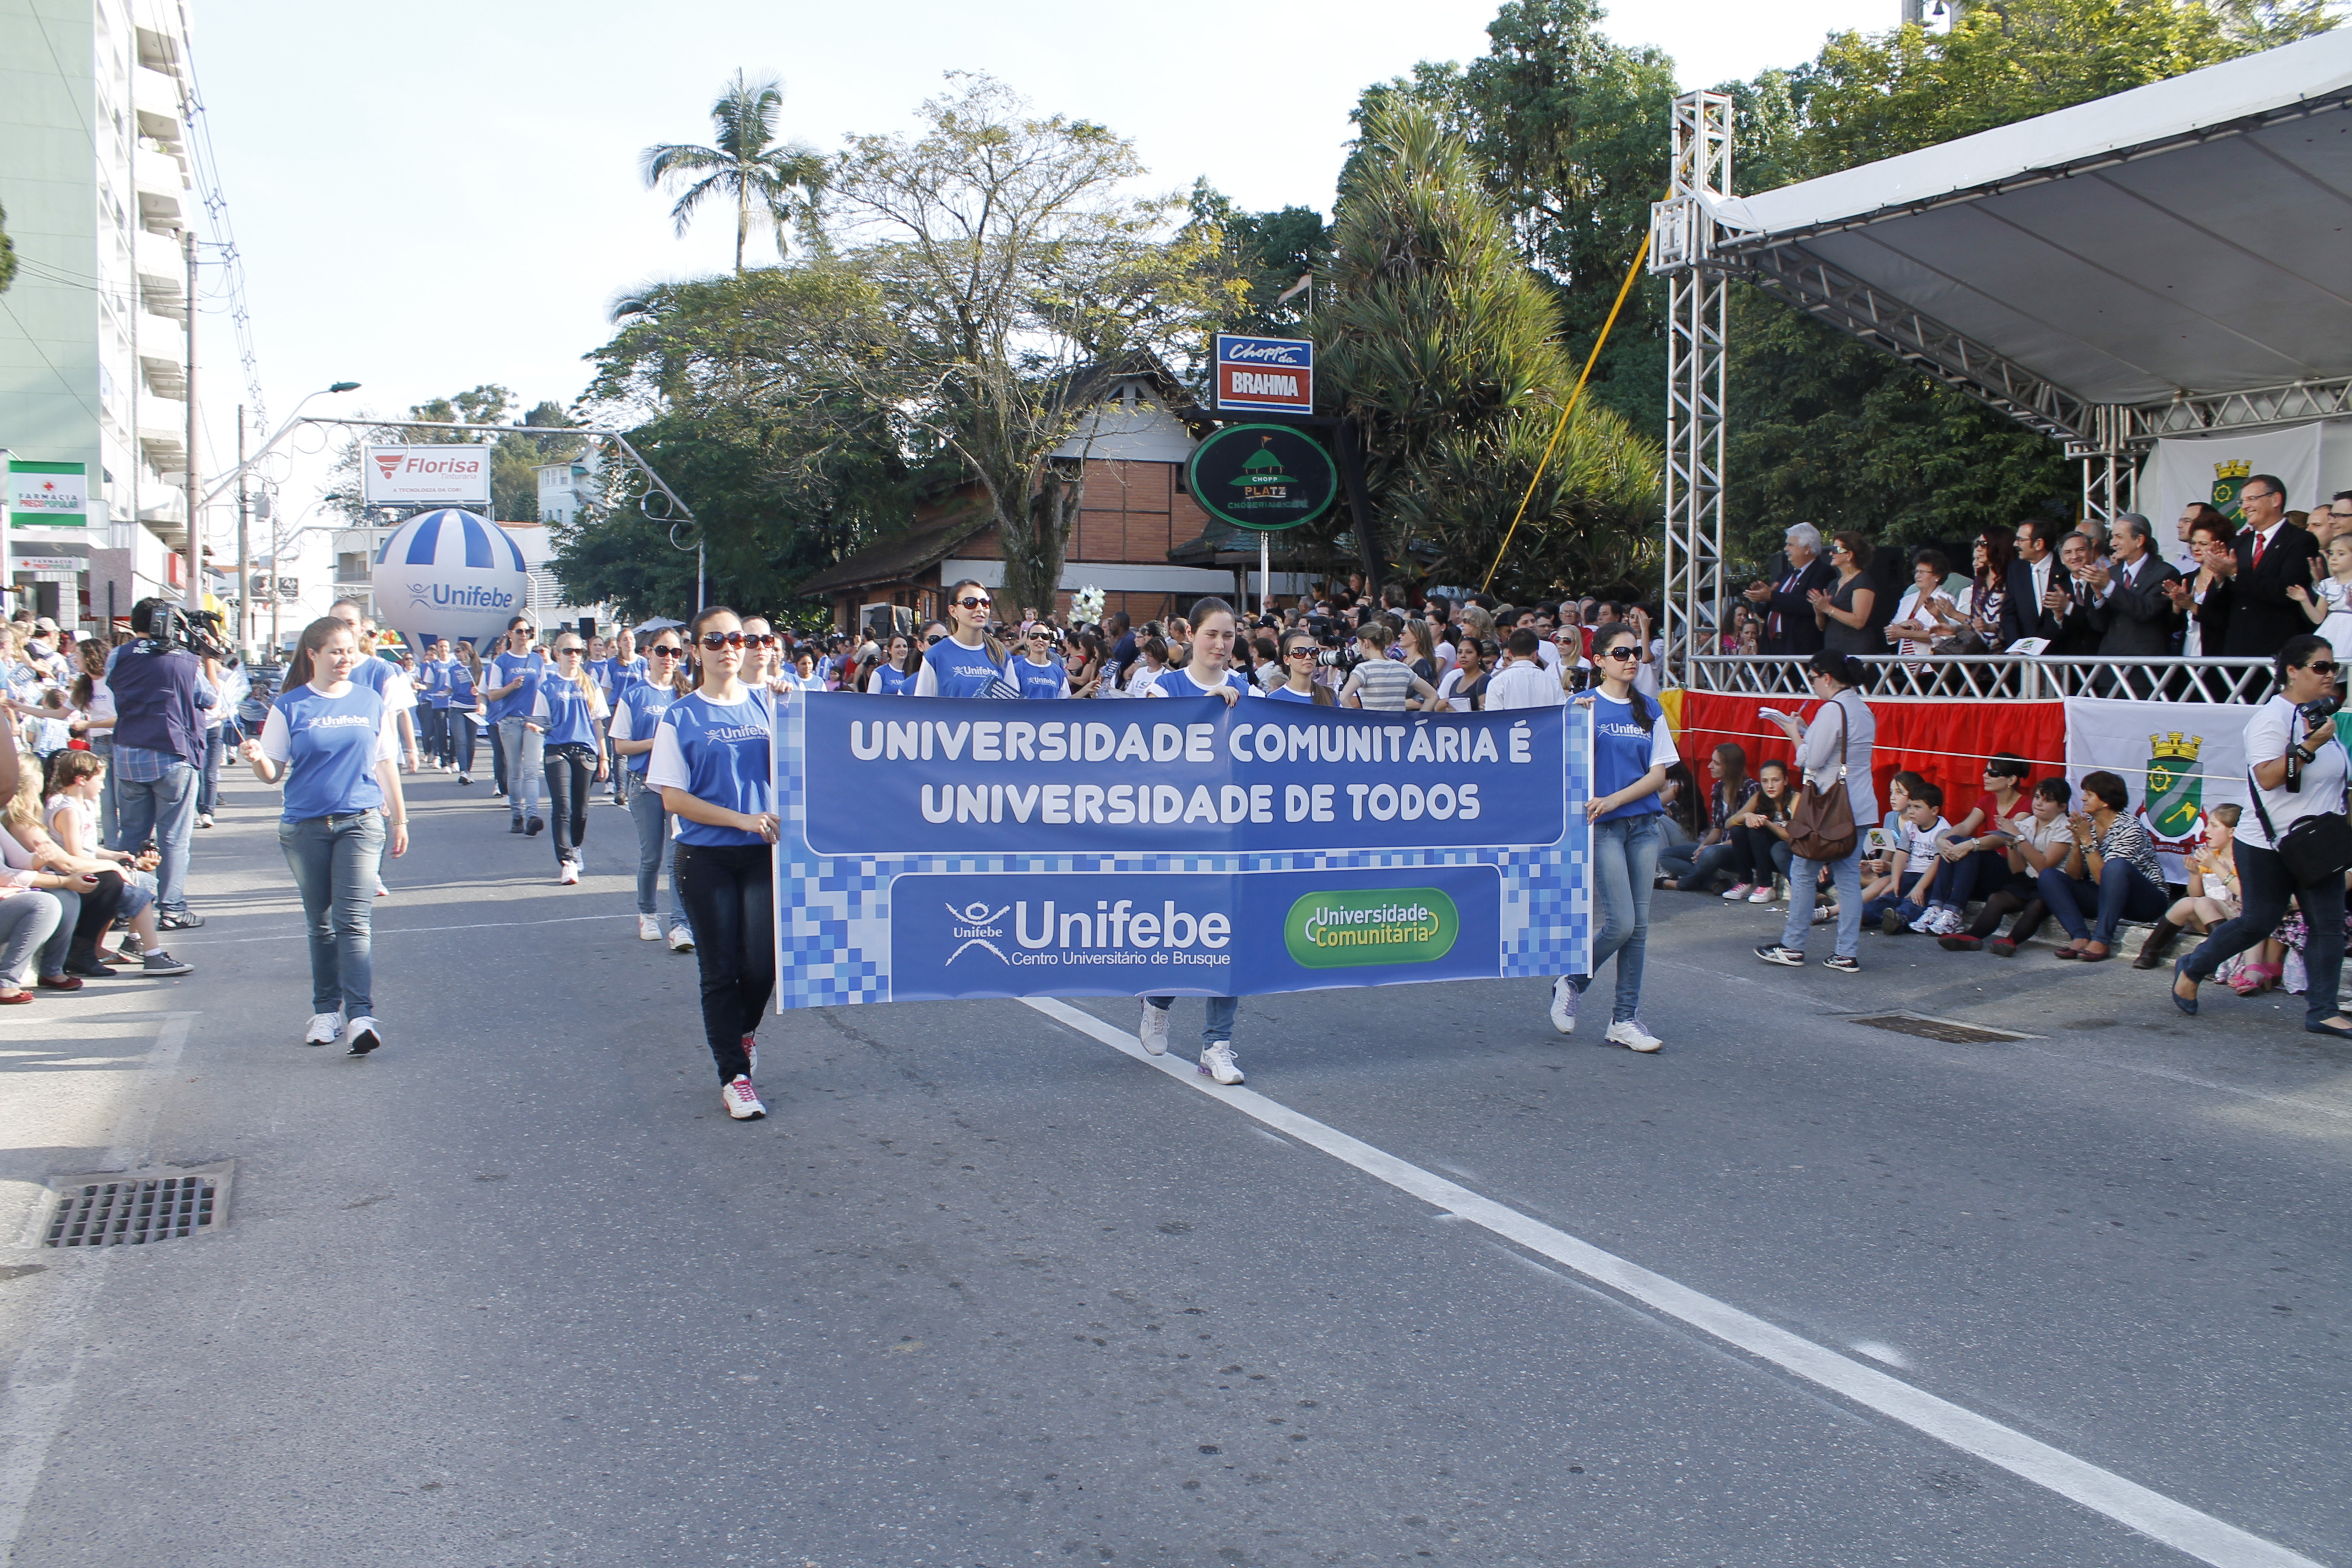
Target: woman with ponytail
{"points": [[1844, 717], [569, 710]]}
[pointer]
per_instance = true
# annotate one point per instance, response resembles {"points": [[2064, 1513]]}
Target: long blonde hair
{"points": [[579, 677]]}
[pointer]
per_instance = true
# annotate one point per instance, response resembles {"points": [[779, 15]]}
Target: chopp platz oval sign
{"points": [[1263, 476]]}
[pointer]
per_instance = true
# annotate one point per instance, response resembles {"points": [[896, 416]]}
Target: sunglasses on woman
{"points": [[1628, 651], [714, 641], [973, 604], [665, 650]]}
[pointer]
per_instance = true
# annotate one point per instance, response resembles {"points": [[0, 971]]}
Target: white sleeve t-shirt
{"points": [[2276, 724], [278, 741]]}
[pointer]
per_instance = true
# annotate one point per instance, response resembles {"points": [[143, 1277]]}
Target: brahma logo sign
{"points": [[426, 476], [1265, 375]]}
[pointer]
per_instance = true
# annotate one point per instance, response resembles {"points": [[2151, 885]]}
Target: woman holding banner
{"points": [[1631, 750], [969, 662], [1214, 627], [710, 762], [2298, 776]]}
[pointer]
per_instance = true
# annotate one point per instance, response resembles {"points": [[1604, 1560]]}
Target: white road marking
{"points": [[41, 1382], [2160, 1518]]}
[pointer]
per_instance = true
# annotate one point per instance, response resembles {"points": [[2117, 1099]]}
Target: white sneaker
{"points": [[751, 1051], [648, 927], [1629, 1033], [1564, 1000], [680, 940], [1952, 924], [1153, 1030], [741, 1100], [1926, 924], [380, 890], [325, 1028], [1218, 1063], [362, 1035], [203, 819], [1737, 892], [1762, 894], [569, 875]]}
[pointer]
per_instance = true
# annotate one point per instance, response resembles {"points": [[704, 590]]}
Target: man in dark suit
{"points": [[2078, 564], [1783, 598], [2270, 554], [2037, 584], [2132, 611]]}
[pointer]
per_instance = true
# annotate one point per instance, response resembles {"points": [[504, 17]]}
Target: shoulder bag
{"points": [[2316, 849], [1820, 827]]}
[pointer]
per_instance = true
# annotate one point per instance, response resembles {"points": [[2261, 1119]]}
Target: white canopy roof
{"points": [[2187, 240]]}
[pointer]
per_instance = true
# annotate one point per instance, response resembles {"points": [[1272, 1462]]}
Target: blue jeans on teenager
{"points": [[2266, 889], [1624, 866], [1220, 1026], [1694, 870], [2123, 892], [1957, 881], [525, 751], [656, 849], [166, 809], [335, 861], [1804, 878], [27, 921], [208, 785]]}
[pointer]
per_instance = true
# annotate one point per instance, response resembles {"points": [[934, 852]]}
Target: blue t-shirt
{"points": [[433, 681], [645, 703], [1622, 751], [330, 748], [461, 686], [505, 668], [716, 752], [565, 710], [890, 681], [1180, 683], [1051, 678], [1283, 694], [959, 672]]}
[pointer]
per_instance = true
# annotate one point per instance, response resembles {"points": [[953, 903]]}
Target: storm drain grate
{"points": [[133, 1210], [1938, 1029]]}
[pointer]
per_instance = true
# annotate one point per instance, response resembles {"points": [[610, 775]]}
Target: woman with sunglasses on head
{"points": [[711, 763], [970, 662], [1631, 750], [1299, 682], [1039, 670], [2298, 772], [637, 719], [336, 744], [895, 676], [569, 714]]}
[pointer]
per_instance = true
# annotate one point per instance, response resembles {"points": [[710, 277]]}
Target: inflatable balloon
{"points": [[450, 573]]}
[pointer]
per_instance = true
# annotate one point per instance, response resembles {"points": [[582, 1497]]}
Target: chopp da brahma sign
{"points": [[1265, 477], [1265, 375], [450, 475]]}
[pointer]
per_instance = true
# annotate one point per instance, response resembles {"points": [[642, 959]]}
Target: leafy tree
{"points": [[1013, 274], [1444, 347], [746, 164], [7, 254], [1269, 255]]}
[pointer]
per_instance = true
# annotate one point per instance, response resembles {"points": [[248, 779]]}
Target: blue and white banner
{"points": [[938, 850]]}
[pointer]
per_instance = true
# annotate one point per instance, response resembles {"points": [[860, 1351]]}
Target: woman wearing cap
{"points": [[636, 720], [336, 745], [710, 762], [569, 713]]}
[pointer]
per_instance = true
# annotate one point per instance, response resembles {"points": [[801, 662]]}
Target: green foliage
{"points": [[1443, 345], [746, 165], [1268, 254], [7, 254]]}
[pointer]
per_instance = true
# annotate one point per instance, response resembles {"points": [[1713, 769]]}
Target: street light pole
{"points": [[194, 596]]}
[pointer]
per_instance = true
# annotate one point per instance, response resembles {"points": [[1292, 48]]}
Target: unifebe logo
{"points": [[1373, 925]]}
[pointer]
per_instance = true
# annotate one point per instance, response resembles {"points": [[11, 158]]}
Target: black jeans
{"points": [[2267, 889], [729, 891], [570, 771]]}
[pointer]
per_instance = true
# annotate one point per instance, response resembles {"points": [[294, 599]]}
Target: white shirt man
{"points": [[1523, 681]]}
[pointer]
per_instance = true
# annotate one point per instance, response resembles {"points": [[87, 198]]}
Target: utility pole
{"points": [[244, 580], [194, 595]]}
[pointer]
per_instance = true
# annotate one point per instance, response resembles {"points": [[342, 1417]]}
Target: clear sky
{"points": [[442, 195]]}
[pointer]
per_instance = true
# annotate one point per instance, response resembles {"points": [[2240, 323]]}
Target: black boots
{"points": [[2151, 953]]}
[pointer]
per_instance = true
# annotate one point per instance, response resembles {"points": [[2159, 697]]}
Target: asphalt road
{"points": [[983, 1289]]}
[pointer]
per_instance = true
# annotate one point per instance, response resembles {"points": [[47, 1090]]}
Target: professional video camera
{"points": [[199, 631]]}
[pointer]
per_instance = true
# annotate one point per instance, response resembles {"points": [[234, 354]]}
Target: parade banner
{"points": [[2179, 759], [935, 849]]}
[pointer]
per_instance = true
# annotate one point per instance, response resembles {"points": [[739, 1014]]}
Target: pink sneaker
{"points": [[1741, 891]]}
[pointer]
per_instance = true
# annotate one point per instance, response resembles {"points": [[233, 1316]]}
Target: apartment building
{"points": [[98, 183]]}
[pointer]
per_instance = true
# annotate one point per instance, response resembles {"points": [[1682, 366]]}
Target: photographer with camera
{"points": [[2293, 843], [161, 699]]}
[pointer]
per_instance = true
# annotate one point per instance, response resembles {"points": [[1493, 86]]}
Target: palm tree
{"points": [[746, 165]]}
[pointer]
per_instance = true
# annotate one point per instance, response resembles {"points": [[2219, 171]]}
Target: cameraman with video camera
{"points": [[161, 697]]}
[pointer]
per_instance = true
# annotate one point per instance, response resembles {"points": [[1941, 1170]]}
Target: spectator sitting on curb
{"points": [[1914, 862], [2038, 840], [2213, 890]]}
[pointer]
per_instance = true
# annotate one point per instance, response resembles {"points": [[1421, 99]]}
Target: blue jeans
{"points": [[110, 801], [167, 810], [27, 921], [1624, 864], [656, 849], [524, 750], [1766, 851], [1695, 869], [2266, 888], [1846, 877], [335, 861], [1957, 880], [1219, 1025], [208, 785], [2123, 892]]}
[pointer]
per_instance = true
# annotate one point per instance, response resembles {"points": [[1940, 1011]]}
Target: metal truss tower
{"points": [[1682, 251]]}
